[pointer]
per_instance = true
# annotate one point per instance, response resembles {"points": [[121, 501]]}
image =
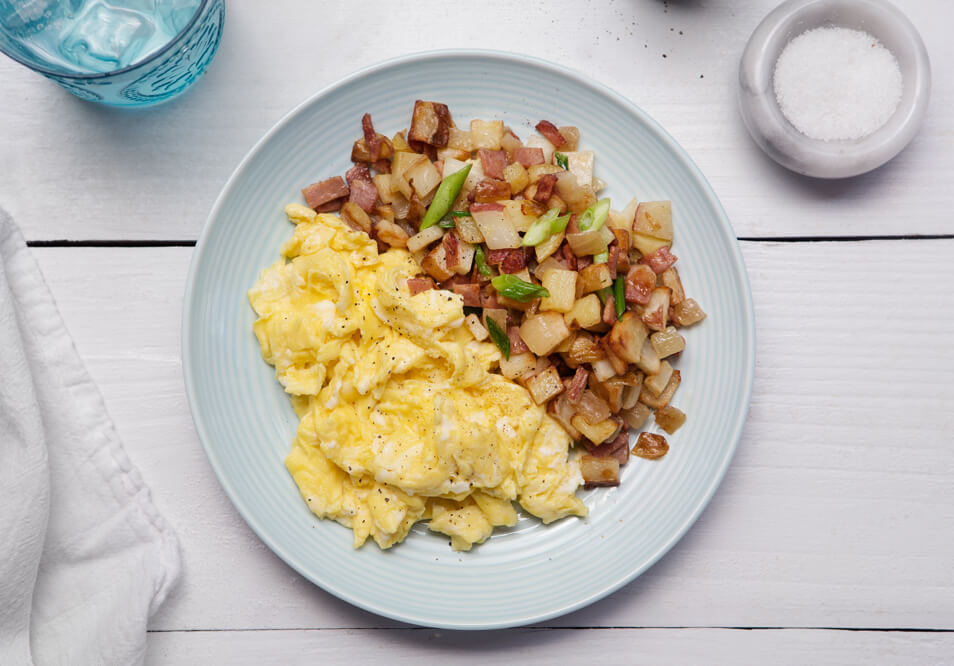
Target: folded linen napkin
{"points": [[85, 557]]}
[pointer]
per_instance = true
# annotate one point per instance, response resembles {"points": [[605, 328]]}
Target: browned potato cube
{"points": [[435, 264], [654, 219], [486, 134], [518, 365], [599, 471], [657, 383], [430, 123], [650, 446], [627, 337], [584, 349], [670, 278], [636, 416], [670, 419], [687, 313], [544, 385], [648, 359], [668, 342], [660, 401], [587, 312], [595, 277], [516, 175], [656, 314], [596, 433], [543, 332]]}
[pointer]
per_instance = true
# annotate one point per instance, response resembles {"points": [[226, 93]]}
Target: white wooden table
{"points": [[831, 539]]}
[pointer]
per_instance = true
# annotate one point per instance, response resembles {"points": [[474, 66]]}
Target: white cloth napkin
{"points": [[85, 557]]}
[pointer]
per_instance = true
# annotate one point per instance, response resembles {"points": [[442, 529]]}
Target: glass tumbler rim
{"points": [[165, 48]]}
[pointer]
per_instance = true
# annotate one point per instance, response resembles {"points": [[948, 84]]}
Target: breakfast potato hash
{"points": [[500, 260]]}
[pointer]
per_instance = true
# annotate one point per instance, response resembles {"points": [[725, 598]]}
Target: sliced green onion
{"points": [[518, 290], [561, 160], [604, 294], [447, 223], [619, 295], [481, 260], [444, 198], [594, 216], [547, 225], [460, 213], [499, 337], [601, 257]]}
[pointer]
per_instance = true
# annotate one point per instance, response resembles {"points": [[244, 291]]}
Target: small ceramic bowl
{"points": [[832, 159]]}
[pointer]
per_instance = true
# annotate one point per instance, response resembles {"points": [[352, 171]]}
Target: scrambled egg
{"points": [[401, 418]]}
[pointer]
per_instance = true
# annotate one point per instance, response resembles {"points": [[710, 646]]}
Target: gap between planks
{"points": [[744, 239]]}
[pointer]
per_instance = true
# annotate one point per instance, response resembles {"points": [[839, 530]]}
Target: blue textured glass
{"points": [[164, 73]]}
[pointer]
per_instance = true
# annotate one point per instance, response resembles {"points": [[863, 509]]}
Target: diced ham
{"points": [[618, 447], [331, 206], [418, 284], [609, 310], [488, 297], [496, 257], [371, 138], [573, 226], [545, 187], [358, 172], [470, 292], [365, 194], [569, 256], [451, 249], [528, 156], [483, 207], [382, 166], [514, 262], [574, 390], [583, 262], [517, 345], [551, 133], [320, 193], [613, 259], [659, 260], [493, 162]]}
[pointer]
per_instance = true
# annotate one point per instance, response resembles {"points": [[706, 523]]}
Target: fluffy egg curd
{"points": [[402, 418]]}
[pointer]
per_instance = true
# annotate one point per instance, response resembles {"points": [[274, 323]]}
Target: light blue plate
{"points": [[531, 572]]}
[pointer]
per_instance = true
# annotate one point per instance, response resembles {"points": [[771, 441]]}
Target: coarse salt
{"points": [[837, 84]]}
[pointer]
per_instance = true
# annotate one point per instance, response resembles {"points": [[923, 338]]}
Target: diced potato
{"points": [[670, 278], [549, 246], [687, 313], [657, 383], [476, 327], [353, 213], [647, 244], [619, 365], [423, 177], [584, 349], [435, 263], [585, 243], [545, 385], [509, 141], [430, 123], [546, 265], [517, 365], [650, 446], [572, 136], [595, 277], [597, 433], [453, 165], [656, 314], [399, 143], [587, 312], [465, 256], [648, 359], [660, 401], [403, 162], [636, 416], [598, 472], [497, 231], [486, 134], [654, 218], [561, 284], [539, 170], [668, 342], [580, 164], [499, 315], [543, 332], [603, 369], [382, 181], [538, 141], [516, 174], [455, 154], [627, 337], [577, 197], [670, 419], [475, 175], [468, 230], [390, 233], [631, 393], [460, 140], [424, 238], [611, 391], [520, 214]]}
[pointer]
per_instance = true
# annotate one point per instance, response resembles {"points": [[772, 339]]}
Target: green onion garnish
{"points": [[518, 290], [499, 337]]}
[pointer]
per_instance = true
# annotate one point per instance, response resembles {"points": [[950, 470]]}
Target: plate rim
{"points": [[735, 256]]}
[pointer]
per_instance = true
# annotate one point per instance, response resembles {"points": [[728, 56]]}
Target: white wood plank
{"points": [[75, 170], [836, 512], [400, 647]]}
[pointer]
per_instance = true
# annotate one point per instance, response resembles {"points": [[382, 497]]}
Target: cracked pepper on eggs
{"points": [[401, 417]]}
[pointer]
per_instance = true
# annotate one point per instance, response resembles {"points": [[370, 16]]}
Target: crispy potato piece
{"points": [[650, 446], [657, 383], [390, 233], [636, 416], [648, 359], [668, 342], [596, 433], [476, 327], [670, 419], [656, 314], [658, 402], [543, 332], [627, 337], [595, 277], [430, 123], [587, 312], [486, 134], [654, 219], [424, 238], [687, 313], [517, 365], [670, 278], [353, 213], [545, 385], [435, 264], [599, 471]]}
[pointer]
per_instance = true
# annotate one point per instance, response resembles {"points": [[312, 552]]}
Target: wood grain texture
{"points": [[78, 171], [409, 647], [836, 512]]}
